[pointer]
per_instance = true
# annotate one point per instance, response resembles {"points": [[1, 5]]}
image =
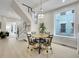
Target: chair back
{"points": [[29, 38], [33, 32], [47, 33], [50, 40]]}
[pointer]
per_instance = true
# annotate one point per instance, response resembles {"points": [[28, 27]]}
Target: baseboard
{"points": [[64, 45]]}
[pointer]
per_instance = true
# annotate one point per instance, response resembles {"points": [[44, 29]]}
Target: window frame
{"points": [[60, 11], [63, 28]]}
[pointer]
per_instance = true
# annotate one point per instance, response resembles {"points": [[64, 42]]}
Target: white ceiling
{"points": [[47, 4], [5, 5], [54, 4], [6, 10], [32, 3]]}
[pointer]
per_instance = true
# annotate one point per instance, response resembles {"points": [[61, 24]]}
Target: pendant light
{"points": [[41, 15]]}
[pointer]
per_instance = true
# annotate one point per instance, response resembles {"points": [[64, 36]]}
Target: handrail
{"points": [[27, 7], [22, 32]]}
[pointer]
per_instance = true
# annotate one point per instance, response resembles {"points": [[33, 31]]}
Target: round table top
{"points": [[40, 35]]}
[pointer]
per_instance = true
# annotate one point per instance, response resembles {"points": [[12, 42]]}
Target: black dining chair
{"points": [[48, 42]]}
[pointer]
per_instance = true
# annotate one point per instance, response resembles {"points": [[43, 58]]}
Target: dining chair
{"points": [[47, 33], [33, 32], [31, 41], [48, 42]]}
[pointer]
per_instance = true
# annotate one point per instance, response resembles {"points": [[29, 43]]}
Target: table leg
{"points": [[39, 46]]}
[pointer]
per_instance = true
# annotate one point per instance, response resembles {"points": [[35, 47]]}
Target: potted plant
{"points": [[42, 28]]}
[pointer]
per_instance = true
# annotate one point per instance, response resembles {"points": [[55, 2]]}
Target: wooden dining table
{"points": [[40, 37]]}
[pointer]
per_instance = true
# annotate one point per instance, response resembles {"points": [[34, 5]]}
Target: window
{"points": [[63, 28], [72, 29], [64, 23]]}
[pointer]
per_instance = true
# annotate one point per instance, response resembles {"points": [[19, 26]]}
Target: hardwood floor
{"points": [[12, 48]]}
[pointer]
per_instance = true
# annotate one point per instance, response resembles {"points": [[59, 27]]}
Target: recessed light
{"points": [[63, 1]]}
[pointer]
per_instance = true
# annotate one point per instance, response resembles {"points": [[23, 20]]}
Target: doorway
{"points": [[11, 27]]}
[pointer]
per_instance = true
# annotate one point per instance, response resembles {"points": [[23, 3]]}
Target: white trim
{"points": [[65, 36], [55, 23]]}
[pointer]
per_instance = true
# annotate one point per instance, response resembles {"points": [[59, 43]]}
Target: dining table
{"points": [[40, 37]]}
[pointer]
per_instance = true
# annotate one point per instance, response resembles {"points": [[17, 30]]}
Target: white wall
{"points": [[4, 20], [2, 23], [77, 28], [21, 11], [8, 16], [49, 22]]}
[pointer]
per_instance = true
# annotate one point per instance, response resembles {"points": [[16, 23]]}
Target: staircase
{"points": [[26, 16]]}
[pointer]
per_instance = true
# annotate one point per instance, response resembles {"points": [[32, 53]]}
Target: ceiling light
{"points": [[63, 1], [41, 15]]}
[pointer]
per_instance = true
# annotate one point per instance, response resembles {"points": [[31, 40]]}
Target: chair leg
{"points": [[50, 48], [47, 50], [28, 47], [31, 49]]}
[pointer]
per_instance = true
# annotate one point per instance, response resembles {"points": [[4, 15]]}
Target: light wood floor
{"points": [[12, 48]]}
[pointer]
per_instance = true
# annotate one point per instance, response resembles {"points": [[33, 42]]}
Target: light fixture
{"points": [[63, 1], [41, 15]]}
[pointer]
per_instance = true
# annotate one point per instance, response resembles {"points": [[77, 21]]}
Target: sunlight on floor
{"points": [[16, 48]]}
